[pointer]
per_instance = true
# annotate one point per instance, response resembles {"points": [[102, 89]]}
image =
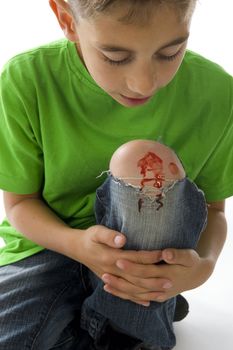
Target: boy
{"points": [[56, 101]]}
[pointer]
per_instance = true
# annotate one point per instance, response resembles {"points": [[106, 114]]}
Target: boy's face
{"points": [[128, 61]]}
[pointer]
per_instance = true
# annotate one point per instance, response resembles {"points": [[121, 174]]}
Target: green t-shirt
{"points": [[58, 130]]}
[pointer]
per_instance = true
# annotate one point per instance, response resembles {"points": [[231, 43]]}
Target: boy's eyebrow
{"points": [[112, 48]]}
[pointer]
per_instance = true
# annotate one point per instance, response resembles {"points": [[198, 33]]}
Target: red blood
{"points": [[153, 164], [173, 168]]}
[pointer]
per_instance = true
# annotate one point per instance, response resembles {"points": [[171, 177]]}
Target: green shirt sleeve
{"points": [[216, 176], [21, 159]]}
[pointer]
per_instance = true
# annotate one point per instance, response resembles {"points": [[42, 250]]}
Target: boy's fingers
{"points": [[138, 270], [109, 237], [144, 257], [144, 299], [185, 257]]}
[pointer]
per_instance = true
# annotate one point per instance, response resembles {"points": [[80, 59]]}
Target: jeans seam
{"points": [[84, 280], [62, 343], [46, 316]]}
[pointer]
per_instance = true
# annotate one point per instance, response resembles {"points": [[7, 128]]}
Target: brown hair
{"points": [[138, 10]]}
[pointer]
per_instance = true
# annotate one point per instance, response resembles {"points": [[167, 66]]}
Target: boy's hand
{"points": [[184, 270], [100, 251]]}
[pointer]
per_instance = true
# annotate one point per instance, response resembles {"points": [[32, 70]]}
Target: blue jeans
{"points": [[45, 298], [40, 307], [175, 220], [41, 299]]}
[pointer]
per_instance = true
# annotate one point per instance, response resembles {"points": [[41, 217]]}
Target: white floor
{"points": [[209, 325]]}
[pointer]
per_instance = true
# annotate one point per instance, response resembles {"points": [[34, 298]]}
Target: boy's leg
{"points": [[170, 213], [41, 298]]}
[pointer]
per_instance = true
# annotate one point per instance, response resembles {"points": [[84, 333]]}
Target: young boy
{"points": [[65, 108]]}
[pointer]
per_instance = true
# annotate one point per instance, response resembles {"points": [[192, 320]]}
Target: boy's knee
{"points": [[146, 163]]}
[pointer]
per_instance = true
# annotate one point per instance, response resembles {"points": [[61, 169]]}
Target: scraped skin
{"points": [[147, 164]]}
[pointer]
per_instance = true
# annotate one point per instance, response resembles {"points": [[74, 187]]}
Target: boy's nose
{"points": [[142, 83]]}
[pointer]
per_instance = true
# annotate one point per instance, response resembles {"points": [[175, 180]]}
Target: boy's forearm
{"points": [[36, 221], [213, 238]]}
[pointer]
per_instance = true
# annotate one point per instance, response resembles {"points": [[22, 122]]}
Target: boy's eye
{"points": [[170, 58], [129, 59], [117, 62]]}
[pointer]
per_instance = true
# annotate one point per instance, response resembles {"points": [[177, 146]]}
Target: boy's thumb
{"points": [[111, 238], [119, 240]]}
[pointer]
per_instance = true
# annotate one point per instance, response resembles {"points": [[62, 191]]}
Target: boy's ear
{"points": [[65, 18]]}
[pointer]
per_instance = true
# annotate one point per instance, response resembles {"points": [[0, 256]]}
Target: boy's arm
{"points": [[94, 247], [213, 238], [32, 217]]}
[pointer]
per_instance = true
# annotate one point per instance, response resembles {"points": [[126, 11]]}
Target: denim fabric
{"points": [[147, 224], [40, 299]]}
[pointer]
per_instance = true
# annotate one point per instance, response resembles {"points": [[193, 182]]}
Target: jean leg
{"points": [[40, 299], [178, 224]]}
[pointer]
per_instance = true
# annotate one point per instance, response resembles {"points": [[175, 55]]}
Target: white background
{"points": [[28, 23]]}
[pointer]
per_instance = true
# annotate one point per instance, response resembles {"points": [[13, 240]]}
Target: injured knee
{"points": [[146, 164]]}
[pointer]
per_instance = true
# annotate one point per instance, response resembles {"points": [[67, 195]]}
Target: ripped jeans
{"points": [[176, 220]]}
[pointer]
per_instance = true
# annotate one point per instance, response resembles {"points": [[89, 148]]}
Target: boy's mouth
{"points": [[136, 101]]}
